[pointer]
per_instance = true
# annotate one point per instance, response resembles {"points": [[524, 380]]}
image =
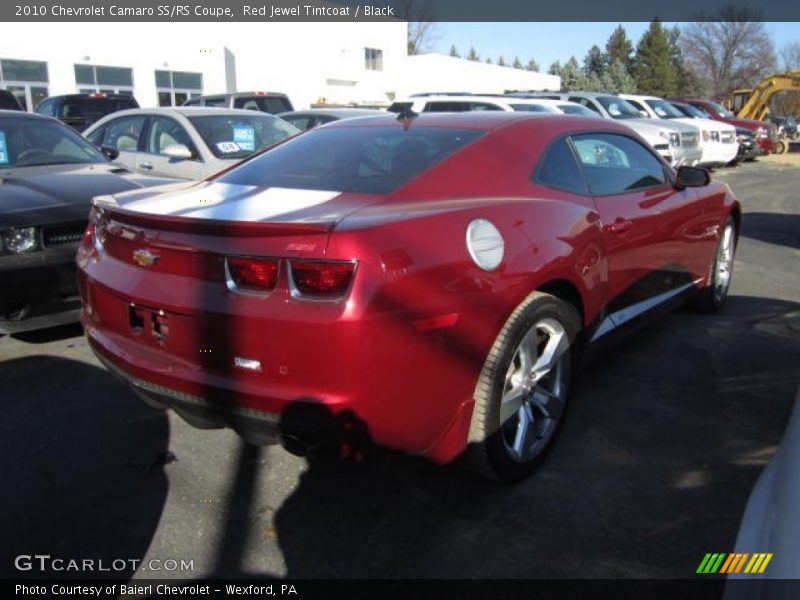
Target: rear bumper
{"points": [[38, 290]]}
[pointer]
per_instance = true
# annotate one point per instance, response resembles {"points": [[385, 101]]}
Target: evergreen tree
{"points": [[517, 64], [454, 51], [532, 65], [555, 68], [501, 62], [473, 54], [617, 80], [572, 77], [653, 67], [594, 62], [489, 60], [619, 48], [683, 78]]}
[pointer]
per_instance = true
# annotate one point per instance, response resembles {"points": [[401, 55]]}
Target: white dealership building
{"points": [[335, 63]]}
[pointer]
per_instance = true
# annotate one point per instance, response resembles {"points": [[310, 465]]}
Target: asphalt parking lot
{"points": [[664, 439]]}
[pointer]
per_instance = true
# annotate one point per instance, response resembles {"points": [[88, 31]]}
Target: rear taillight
{"points": [[87, 241], [320, 279], [250, 274]]}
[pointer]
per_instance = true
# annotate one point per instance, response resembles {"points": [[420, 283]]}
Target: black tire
{"points": [[712, 297], [490, 453]]}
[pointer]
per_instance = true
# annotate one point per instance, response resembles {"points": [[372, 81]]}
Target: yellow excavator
{"points": [[755, 103]]}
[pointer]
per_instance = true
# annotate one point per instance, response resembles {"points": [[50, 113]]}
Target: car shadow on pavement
{"points": [[50, 334], [774, 228], [664, 440], [81, 471]]}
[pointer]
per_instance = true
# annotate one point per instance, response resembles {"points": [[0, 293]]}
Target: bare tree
{"points": [[790, 56], [423, 33], [727, 50]]}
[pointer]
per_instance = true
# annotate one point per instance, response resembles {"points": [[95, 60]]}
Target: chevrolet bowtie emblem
{"points": [[144, 258]]}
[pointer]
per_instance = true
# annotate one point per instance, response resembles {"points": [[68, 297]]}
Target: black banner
{"points": [[408, 10]]}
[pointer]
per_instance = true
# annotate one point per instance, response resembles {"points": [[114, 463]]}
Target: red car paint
{"points": [[765, 142], [402, 350]]}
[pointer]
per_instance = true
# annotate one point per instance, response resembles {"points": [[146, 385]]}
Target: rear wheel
{"points": [[522, 391], [713, 295]]}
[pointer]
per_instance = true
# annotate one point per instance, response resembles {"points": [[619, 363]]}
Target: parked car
{"points": [[766, 134], [79, 111], [186, 143], [268, 102], [420, 103], [677, 143], [421, 283], [746, 150], [8, 101], [770, 525], [48, 176], [314, 117], [473, 102], [717, 139]]}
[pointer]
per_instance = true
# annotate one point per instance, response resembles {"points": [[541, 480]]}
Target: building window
{"points": [[373, 59], [108, 80], [176, 87], [26, 79]]}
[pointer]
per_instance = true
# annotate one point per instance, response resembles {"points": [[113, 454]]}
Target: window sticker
{"points": [[3, 149], [228, 147], [245, 137]]}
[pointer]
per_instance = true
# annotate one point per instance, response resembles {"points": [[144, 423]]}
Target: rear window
{"points": [[89, 110], [368, 160], [267, 104], [239, 136], [535, 108]]}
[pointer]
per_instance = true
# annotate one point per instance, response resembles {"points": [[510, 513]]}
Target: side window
{"points": [[97, 136], [617, 164], [216, 102], [165, 132], [558, 169], [46, 107], [299, 121], [192, 102], [448, 106], [322, 119], [484, 106], [585, 102], [124, 133]]}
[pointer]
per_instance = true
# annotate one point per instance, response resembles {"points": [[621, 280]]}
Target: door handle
{"points": [[620, 226], [144, 165]]}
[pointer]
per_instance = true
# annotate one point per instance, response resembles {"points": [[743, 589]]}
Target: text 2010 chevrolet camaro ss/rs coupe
{"points": [[422, 283]]}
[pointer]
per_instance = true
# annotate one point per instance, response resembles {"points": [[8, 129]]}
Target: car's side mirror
{"points": [[692, 177], [177, 151], [109, 152]]}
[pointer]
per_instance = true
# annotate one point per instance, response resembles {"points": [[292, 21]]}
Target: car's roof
{"points": [[639, 97], [93, 96], [335, 112], [190, 111], [480, 120], [20, 114], [239, 94]]}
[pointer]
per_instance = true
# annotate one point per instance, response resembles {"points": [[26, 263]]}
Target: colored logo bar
{"points": [[725, 563]]}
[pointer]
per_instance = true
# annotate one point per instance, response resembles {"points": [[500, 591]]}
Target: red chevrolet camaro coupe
{"points": [[421, 283]]}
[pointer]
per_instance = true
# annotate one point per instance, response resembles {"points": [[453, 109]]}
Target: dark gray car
{"points": [[48, 177], [314, 117]]}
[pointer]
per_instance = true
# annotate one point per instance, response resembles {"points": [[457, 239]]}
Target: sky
{"points": [[548, 42]]}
